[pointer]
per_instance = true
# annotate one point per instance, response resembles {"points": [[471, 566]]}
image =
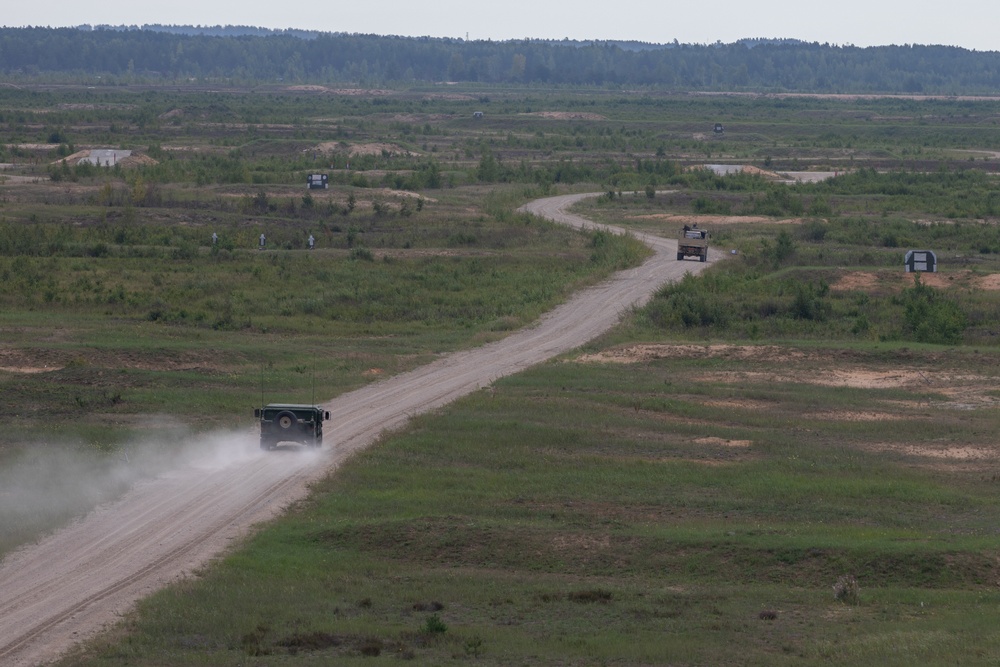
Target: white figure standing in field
{"points": [[263, 242], [215, 238], [312, 241]]}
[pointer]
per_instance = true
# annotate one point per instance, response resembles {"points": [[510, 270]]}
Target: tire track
{"points": [[148, 569], [69, 586]]}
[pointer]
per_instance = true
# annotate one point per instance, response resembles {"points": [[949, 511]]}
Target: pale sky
{"points": [[973, 24]]}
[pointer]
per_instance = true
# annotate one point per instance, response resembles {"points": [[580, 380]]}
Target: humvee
{"points": [[284, 422]]}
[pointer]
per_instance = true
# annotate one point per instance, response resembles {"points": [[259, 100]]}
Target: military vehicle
{"points": [[692, 241], [285, 422]]}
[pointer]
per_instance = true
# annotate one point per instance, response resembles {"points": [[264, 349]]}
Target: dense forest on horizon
{"points": [[240, 54]]}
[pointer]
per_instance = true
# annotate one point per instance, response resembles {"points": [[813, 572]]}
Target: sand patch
{"points": [[570, 542], [739, 404], [990, 282], [956, 453], [951, 390], [632, 354], [350, 92], [857, 416], [856, 281], [709, 221], [567, 115], [309, 88], [896, 281], [374, 148], [867, 379], [30, 370], [419, 118], [722, 442]]}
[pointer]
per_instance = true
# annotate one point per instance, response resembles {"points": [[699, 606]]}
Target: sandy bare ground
{"points": [[79, 580]]}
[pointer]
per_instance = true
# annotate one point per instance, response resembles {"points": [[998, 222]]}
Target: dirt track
{"points": [[72, 584]]}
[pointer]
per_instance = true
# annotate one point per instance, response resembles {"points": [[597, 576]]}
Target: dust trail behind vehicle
{"points": [[69, 586]]}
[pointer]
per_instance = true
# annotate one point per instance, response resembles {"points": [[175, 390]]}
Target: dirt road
{"points": [[72, 584]]}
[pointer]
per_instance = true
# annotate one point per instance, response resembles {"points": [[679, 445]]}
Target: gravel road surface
{"points": [[81, 579]]}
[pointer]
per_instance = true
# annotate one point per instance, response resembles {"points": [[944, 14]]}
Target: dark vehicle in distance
{"points": [[287, 422]]}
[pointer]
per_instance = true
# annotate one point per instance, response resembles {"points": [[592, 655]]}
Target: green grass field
{"points": [[692, 509], [788, 460]]}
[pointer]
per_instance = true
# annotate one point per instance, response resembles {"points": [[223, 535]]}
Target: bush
{"points": [[363, 254], [435, 625], [847, 590], [929, 318]]}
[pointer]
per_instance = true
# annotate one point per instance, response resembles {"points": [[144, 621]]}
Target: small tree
{"points": [[784, 247], [929, 318], [261, 202]]}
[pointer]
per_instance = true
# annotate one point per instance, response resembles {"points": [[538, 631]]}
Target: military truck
{"points": [[692, 241], [286, 422]]}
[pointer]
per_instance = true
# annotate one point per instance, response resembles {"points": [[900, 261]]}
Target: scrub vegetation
{"points": [[787, 459]]}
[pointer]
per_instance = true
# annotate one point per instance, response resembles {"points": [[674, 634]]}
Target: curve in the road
{"points": [[70, 585]]}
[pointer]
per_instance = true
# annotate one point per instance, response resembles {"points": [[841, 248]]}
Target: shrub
{"points": [[928, 318], [847, 590], [435, 625], [593, 595], [362, 253], [370, 647]]}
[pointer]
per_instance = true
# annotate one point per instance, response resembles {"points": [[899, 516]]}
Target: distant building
{"points": [[718, 129], [477, 114]]}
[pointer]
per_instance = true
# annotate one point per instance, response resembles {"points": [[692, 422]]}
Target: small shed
{"points": [[318, 181], [477, 114], [921, 261], [719, 129]]}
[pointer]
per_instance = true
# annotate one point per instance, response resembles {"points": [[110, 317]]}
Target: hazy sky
{"points": [[974, 24]]}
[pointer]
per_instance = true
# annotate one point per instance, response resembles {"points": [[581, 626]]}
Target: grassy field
{"points": [[664, 504], [788, 459]]}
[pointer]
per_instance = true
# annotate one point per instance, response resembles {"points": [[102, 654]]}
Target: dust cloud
{"points": [[49, 484]]}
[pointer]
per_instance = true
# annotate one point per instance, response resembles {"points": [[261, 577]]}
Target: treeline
{"points": [[157, 53]]}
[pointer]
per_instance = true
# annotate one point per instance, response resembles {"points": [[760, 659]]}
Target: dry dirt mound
{"points": [[632, 354], [419, 117], [361, 149], [897, 280], [750, 169], [74, 158], [36, 147], [308, 88], [352, 92], [450, 97], [137, 160], [715, 220]]}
